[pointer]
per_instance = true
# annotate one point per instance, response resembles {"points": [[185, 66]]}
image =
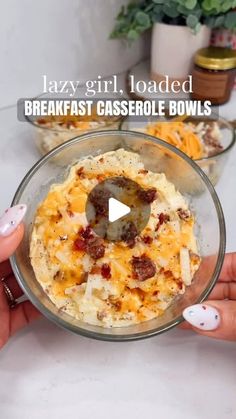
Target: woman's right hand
{"points": [[216, 317]]}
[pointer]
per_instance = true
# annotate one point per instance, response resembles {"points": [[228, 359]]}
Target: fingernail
{"points": [[202, 316], [11, 218]]}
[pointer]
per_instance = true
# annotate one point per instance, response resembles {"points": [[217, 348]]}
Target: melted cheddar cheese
{"points": [[105, 291]]}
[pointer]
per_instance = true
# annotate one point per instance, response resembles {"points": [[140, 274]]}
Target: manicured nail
{"points": [[202, 316], [11, 218]]}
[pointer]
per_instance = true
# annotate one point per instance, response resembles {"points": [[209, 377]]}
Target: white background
{"points": [[64, 39]]}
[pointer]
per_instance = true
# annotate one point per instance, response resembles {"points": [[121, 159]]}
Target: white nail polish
{"points": [[202, 316], [11, 218]]}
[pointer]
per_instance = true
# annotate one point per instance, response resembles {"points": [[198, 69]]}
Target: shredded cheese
{"points": [[180, 135]]}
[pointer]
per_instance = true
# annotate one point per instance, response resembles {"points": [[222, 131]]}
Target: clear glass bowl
{"points": [[48, 138], [213, 166], [157, 156]]}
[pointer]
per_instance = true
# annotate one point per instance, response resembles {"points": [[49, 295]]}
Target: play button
{"points": [[118, 209]]}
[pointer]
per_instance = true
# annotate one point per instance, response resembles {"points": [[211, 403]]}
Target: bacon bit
{"points": [[41, 121], [101, 160], [183, 214], [80, 244], [129, 232], [148, 195], [155, 293], [86, 233], [147, 239], [163, 218], [143, 267], [106, 271], [143, 171], [80, 173], [95, 247], [99, 199], [122, 182], [179, 283], [168, 274]]}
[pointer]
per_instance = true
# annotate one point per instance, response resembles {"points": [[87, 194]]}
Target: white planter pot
{"points": [[173, 48]]}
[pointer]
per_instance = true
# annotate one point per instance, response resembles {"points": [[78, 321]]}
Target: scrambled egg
{"points": [[123, 284]]}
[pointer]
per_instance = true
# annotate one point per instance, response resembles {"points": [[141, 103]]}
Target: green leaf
{"points": [[190, 4], [207, 5], [227, 5], [197, 27], [170, 11], [143, 19], [219, 21], [158, 1], [192, 21], [132, 35], [230, 20]]}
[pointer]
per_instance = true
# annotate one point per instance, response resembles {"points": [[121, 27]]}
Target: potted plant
{"points": [[179, 29]]}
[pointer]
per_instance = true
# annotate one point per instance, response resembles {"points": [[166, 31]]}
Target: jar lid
{"points": [[216, 58]]}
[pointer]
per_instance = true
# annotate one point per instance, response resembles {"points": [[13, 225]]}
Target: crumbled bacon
{"points": [[168, 274], [99, 199], [162, 218], [87, 242], [148, 195], [41, 121], [129, 232], [106, 271], [179, 283], [210, 140], [80, 244], [122, 182], [183, 214], [143, 267], [86, 233], [80, 173], [95, 247], [147, 239]]}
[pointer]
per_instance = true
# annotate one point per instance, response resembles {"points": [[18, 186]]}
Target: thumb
{"points": [[11, 230], [216, 319]]}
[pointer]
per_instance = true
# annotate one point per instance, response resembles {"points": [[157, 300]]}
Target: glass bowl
{"points": [[47, 138], [213, 165], [157, 156]]}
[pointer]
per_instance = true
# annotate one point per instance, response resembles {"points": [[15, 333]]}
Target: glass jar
{"points": [[214, 74]]}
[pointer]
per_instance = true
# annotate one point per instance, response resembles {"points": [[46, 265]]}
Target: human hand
{"points": [[216, 317], [13, 316]]}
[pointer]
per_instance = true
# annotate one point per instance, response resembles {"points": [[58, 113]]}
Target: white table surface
{"points": [[48, 372]]}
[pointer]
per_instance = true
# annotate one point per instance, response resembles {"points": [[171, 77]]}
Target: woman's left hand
{"points": [[13, 316]]}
